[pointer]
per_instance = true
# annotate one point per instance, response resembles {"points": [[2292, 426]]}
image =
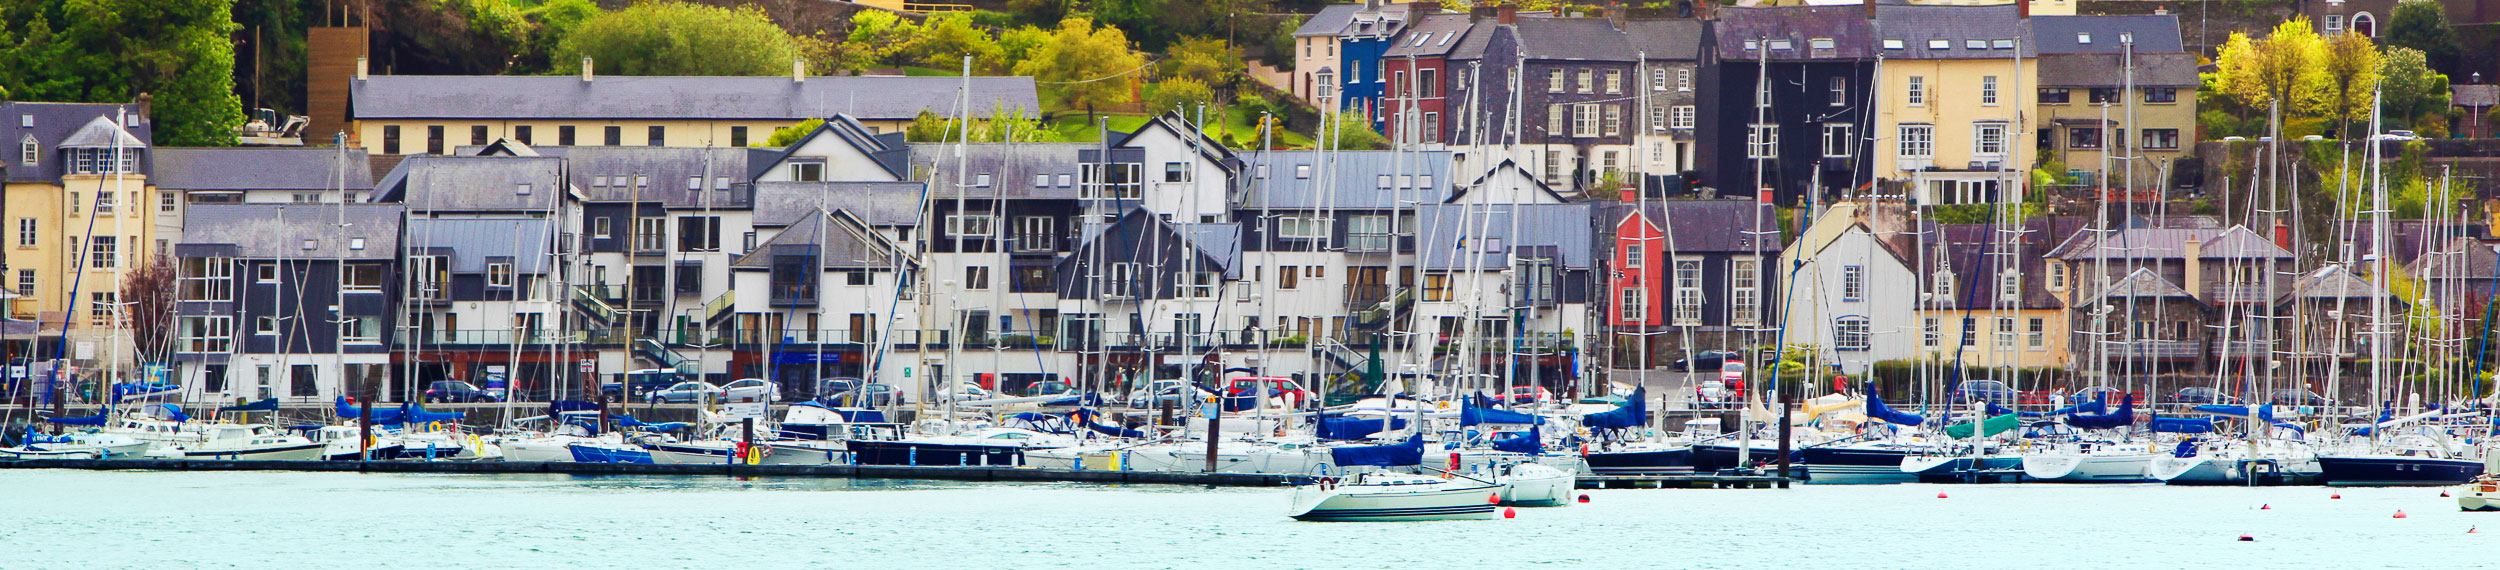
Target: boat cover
{"points": [[1392, 455], [265, 405], [559, 407], [1086, 416], [1531, 442], [2183, 425], [94, 420], [137, 390], [628, 422], [1633, 413], [36, 437], [1875, 408], [1343, 427], [2122, 418], [405, 413], [1475, 413], [1995, 425]]}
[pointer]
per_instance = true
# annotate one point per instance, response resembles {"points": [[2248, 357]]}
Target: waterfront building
{"points": [[1952, 96], [1690, 275], [290, 301], [1844, 290], [2090, 123], [1785, 90], [85, 214]]}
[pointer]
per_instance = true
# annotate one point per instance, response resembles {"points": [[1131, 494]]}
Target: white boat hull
{"points": [[1367, 503], [1534, 485], [826, 452], [292, 452], [557, 449], [2088, 467]]}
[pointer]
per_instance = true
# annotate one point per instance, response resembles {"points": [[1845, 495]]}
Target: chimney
{"points": [[1477, 14], [1508, 15], [1371, 5], [1615, 14], [586, 68], [1870, 9], [2022, 9], [363, 69], [2161, 10], [798, 70], [2282, 235], [2194, 251], [1417, 10]]}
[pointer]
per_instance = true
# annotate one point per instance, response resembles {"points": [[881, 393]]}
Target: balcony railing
{"points": [[1360, 297], [500, 337], [2157, 349], [789, 295], [2240, 293]]}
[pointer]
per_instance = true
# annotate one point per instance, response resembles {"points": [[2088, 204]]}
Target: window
{"points": [[1989, 139], [26, 282], [2057, 276], [1556, 117], [737, 136], [1554, 81], [968, 224], [499, 274], [1633, 256], [2083, 137], [564, 135], [1658, 80], [807, 171], [1895, 44], [1553, 166], [165, 201], [26, 151], [1437, 287], [1614, 81], [1838, 139], [1970, 331], [1918, 91], [521, 133], [2053, 96], [1783, 44], [1853, 283], [2334, 24], [433, 139], [1657, 119], [1852, 333], [2009, 287], [207, 334], [698, 233], [1302, 172], [207, 279], [1684, 80], [1633, 304], [2163, 139], [103, 251], [1587, 80], [2038, 339], [2161, 95], [613, 135], [361, 330], [26, 232], [104, 203], [1918, 141], [1368, 234], [1975, 44], [1198, 285], [265, 273], [1988, 90], [1614, 119], [1681, 117], [1819, 43], [1584, 120], [106, 304], [362, 279], [977, 278], [1762, 141], [1744, 285], [2005, 334], [1030, 279], [2103, 95], [1927, 332], [1291, 227], [390, 139], [2083, 37], [1840, 90], [1687, 292], [2001, 44], [426, 276], [477, 135], [649, 232], [1175, 172]]}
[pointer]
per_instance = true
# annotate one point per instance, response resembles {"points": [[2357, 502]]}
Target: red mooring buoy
{"points": [[2443, 493], [2247, 538], [1510, 513], [1940, 495], [1584, 497], [2335, 496], [1495, 498], [2400, 513], [2265, 507]]}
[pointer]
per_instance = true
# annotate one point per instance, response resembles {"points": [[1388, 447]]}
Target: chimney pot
{"points": [[2022, 8], [586, 74], [363, 68], [798, 70], [1870, 9]]}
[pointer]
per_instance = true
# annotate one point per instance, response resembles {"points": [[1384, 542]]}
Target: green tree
{"points": [[2408, 87], [2351, 74], [1209, 61], [177, 52], [1085, 66], [2423, 25], [554, 21], [945, 39], [1178, 94], [1352, 132], [879, 38], [1017, 45], [790, 135], [677, 38]]}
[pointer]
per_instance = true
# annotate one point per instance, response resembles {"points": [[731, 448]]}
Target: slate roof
{"points": [[1432, 36], [2462, 258], [1975, 254], [878, 204], [452, 183], [1221, 242], [259, 168], [1354, 175], [847, 246], [667, 170], [1011, 167], [1997, 29], [49, 124], [888, 149], [1331, 20], [1678, 40], [2235, 242], [1564, 228], [2406, 239], [1574, 39], [2332, 282], [101, 132], [1712, 225], [469, 241], [2109, 70], [1852, 35], [269, 231], [494, 97], [2474, 95], [2064, 34], [2144, 283]]}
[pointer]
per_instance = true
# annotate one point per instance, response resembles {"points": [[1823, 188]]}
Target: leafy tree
{"points": [[554, 21], [1089, 67], [790, 135], [879, 38], [1178, 94], [945, 39], [676, 38], [177, 52], [2423, 25], [149, 290], [1017, 44], [2351, 74], [1209, 61], [2409, 89], [1352, 132]]}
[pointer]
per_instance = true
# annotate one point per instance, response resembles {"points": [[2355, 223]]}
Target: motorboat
{"points": [[2235, 462], [1643, 458], [346, 443], [1385, 496], [2481, 494], [1535, 485], [1875, 462], [90, 444], [2091, 462], [255, 442], [994, 447], [2404, 460]]}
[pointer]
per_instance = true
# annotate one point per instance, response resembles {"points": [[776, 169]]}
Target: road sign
{"points": [[589, 365]]}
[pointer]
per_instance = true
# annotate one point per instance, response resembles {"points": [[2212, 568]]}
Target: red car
{"points": [[1274, 386], [1530, 395]]}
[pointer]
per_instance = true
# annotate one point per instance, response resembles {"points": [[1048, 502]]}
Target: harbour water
{"points": [[56, 519]]}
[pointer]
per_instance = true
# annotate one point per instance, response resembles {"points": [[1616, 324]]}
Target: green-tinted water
{"points": [[80, 519]]}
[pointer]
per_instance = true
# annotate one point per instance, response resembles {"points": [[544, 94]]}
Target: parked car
{"points": [[866, 396], [1705, 361], [837, 385], [1048, 388], [751, 390], [2195, 396], [686, 393], [1709, 393], [1146, 396], [639, 384], [1273, 386], [2298, 398], [969, 392], [1530, 395], [455, 391]]}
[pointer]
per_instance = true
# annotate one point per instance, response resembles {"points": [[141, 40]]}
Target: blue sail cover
{"points": [[137, 390], [265, 405], [1392, 455], [1480, 400], [2118, 419], [2183, 425], [1633, 413], [559, 407], [1875, 408], [1532, 442], [405, 413], [1345, 427], [628, 422], [1086, 417], [2091, 407], [94, 420], [169, 412], [1472, 415]]}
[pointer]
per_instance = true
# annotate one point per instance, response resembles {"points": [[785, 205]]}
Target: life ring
{"points": [[434, 426]]}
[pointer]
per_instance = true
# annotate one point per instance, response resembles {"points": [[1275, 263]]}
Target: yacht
{"points": [[256, 442], [1384, 496]]}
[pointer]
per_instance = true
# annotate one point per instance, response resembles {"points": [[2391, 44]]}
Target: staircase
{"points": [[664, 357]]}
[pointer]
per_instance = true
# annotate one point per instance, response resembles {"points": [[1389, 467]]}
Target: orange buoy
{"points": [[2247, 538], [1495, 498], [1584, 497], [2443, 493], [2400, 513], [1940, 495], [1510, 513], [2335, 496]]}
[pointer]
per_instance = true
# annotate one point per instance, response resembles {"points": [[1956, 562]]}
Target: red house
{"points": [[1417, 69]]}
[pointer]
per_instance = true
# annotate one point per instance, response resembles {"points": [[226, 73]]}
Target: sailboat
{"points": [[88, 444], [1389, 496]]}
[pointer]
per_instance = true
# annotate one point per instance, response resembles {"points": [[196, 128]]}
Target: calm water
{"points": [[80, 519]]}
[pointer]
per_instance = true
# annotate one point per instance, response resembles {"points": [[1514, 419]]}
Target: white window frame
{"points": [[1852, 333], [1988, 90], [1687, 279], [499, 275], [971, 224], [1918, 92], [1852, 283], [1988, 139], [1745, 290], [1918, 143], [1839, 140], [1681, 117], [1633, 305], [1762, 140]]}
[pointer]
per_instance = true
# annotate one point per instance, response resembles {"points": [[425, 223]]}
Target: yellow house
{"points": [[1986, 297], [84, 215], [433, 114], [1950, 119], [2084, 121]]}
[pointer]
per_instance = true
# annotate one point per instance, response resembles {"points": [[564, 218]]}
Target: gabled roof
{"points": [[1011, 168], [1432, 36], [887, 149], [1968, 32], [618, 97], [877, 204], [2143, 283], [1448, 234], [1351, 179], [2461, 258], [843, 240], [2333, 282], [259, 168], [1331, 20], [1975, 255], [1724, 225], [1220, 242], [666, 174], [2235, 242], [1574, 39], [454, 183], [1497, 169], [271, 231], [1187, 132], [101, 132], [1852, 35], [1218, 246], [2152, 33], [48, 124], [2110, 70], [1676, 40]]}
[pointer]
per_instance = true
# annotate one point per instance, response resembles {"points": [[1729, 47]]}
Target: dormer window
{"points": [[807, 172], [26, 149], [1820, 43], [2002, 44], [1894, 44], [2083, 37], [26, 121], [522, 189], [1782, 44], [1974, 44], [1939, 44]]}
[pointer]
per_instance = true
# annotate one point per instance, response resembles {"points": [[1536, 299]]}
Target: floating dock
{"points": [[1684, 481], [1019, 474]]}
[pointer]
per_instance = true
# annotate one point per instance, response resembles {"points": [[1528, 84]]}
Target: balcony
{"points": [[2156, 349], [497, 338], [1360, 297], [2238, 293], [793, 295]]}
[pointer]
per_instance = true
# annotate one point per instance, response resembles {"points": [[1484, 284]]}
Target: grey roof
{"points": [[1479, 37], [2153, 33], [1431, 36], [1997, 29], [1563, 229], [849, 246], [1852, 35], [1221, 242], [887, 149], [452, 183], [1331, 20], [1355, 175], [676, 98], [2462, 258], [469, 241], [102, 132], [2109, 70], [1574, 39], [2406, 239], [1665, 39], [2144, 283], [667, 170], [1010, 166], [269, 231], [51, 124], [2334, 282], [1712, 225], [879, 204], [259, 168], [2235, 242], [1972, 254], [2474, 95]]}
